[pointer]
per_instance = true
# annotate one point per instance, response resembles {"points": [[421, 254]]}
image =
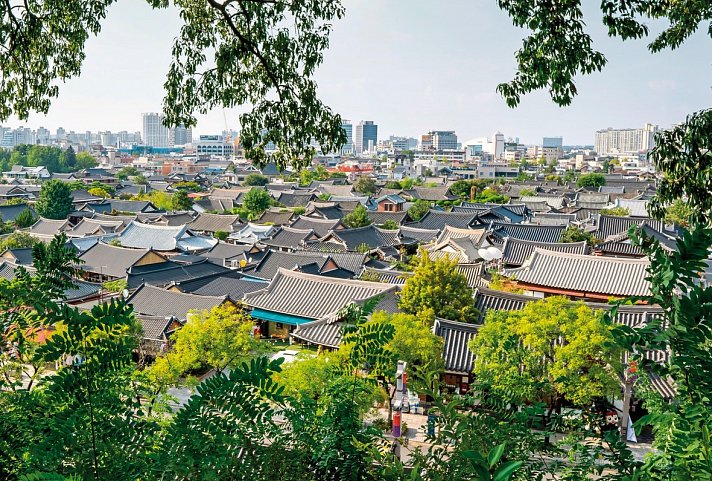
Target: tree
{"points": [[99, 192], [190, 186], [68, 159], [390, 225], [220, 235], [576, 234], [215, 339], [25, 219], [679, 213], [616, 211], [356, 218], [139, 179], [255, 180], [257, 201], [181, 201], [419, 208], [365, 185], [516, 356], [527, 192], [393, 184], [126, 172], [55, 201], [17, 240], [438, 285], [591, 180]]}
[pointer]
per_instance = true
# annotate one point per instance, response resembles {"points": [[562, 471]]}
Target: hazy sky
{"points": [[409, 65]]}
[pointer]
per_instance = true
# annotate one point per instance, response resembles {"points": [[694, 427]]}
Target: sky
{"points": [[410, 66]]}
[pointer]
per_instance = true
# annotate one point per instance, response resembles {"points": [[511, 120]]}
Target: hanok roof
{"points": [[388, 276], [48, 227], [430, 193], [155, 301], [553, 218], [79, 291], [273, 261], [133, 206], [164, 273], [9, 212], [110, 260], [312, 297], [516, 251], [530, 232], [456, 340], [592, 200], [473, 273], [450, 232], [295, 199], [585, 274], [609, 225], [291, 238], [621, 244], [463, 250], [381, 217], [89, 227], [370, 236], [162, 238], [215, 222], [232, 283], [423, 236], [275, 217], [437, 220], [20, 256], [222, 252], [216, 204], [320, 226], [636, 207], [555, 202]]}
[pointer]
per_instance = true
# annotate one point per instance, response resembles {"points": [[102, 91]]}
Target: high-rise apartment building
{"points": [[365, 137], [348, 147], [553, 142], [155, 133], [443, 139], [625, 141], [180, 136]]}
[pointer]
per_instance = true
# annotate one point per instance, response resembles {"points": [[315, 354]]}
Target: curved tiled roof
{"points": [[530, 232], [456, 339], [437, 220], [311, 296], [154, 301], [609, 225], [215, 222], [592, 274], [320, 226], [516, 251]]}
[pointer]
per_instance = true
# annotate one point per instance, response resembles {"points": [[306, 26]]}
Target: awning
{"points": [[278, 317]]}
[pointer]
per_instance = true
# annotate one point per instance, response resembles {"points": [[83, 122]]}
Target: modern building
{"points": [[180, 136], [622, 141], [443, 139], [553, 142], [365, 137], [214, 145], [494, 146], [348, 147], [155, 134]]}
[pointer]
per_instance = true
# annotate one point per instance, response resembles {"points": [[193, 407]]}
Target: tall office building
{"points": [[443, 139], [553, 142], [365, 137], [348, 147], [625, 141], [180, 136], [155, 133]]}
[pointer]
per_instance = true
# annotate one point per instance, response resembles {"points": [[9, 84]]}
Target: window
{"points": [[280, 325]]}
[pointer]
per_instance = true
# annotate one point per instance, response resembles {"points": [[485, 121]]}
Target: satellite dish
{"points": [[494, 253], [485, 254]]}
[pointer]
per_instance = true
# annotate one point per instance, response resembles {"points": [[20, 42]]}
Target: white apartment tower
{"points": [[625, 141], [154, 132]]}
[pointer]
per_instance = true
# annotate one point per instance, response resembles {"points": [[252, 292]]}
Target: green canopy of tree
{"points": [[55, 201], [125, 172], [679, 213], [438, 285], [17, 240], [181, 201], [419, 208], [576, 234], [515, 353], [356, 218], [220, 235], [257, 201], [255, 180], [190, 186], [616, 211], [25, 219], [365, 185], [99, 192], [393, 184], [390, 225], [591, 180]]}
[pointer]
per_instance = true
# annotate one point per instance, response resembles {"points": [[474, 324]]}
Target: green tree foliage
{"points": [[393, 184], [356, 218], [17, 240], [25, 219], [53, 158], [679, 213], [220, 235], [576, 234], [99, 192], [682, 330], [559, 48], [139, 179], [68, 158], [492, 195], [463, 188], [255, 180], [616, 211], [682, 157], [390, 225], [419, 208], [188, 186], [591, 180], [527, 192], [307, 176], [365, 185], [215, 339], [55, 201], [126, 172], [438, 285], [181, 201], [115, 286], [257, 201], [516, 355]]}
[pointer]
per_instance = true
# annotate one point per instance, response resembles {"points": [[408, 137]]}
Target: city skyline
{"points": [[402, 88]]}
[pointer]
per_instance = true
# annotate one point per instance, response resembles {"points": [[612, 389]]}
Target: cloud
{"points": [[662, 85]]}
